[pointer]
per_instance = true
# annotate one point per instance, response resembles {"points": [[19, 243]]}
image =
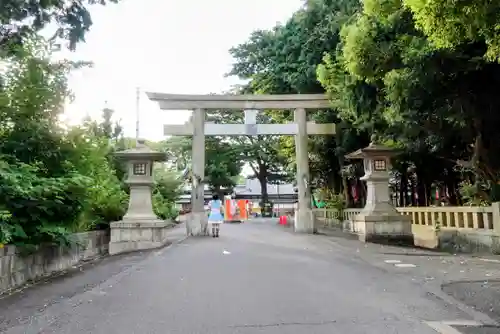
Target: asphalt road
{"points": [[255, 278]]}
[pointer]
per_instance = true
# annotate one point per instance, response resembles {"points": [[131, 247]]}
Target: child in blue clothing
{"points": [[215, 217]]}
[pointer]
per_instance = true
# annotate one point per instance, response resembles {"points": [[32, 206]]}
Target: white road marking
{"points": [[405, 265], [462, 323], [392, 261], [444, 327], [225, 252], [489, 260]]}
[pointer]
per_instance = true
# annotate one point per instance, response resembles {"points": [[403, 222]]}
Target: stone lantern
{"points": [[140, 228], [379, 220]]}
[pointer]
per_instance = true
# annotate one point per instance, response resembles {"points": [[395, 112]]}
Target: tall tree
{"points": [[284, 60], [450, 24], [41, 190], [112, 132], [261, 153], [222, 160], [435, 102], [167, 189]]}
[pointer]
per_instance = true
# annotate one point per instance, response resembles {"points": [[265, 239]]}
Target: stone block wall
{"points": [[17, 268], [129, 236]]}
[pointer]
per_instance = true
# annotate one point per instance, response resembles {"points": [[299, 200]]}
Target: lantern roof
{"points": [[141, 152], [373, 150]]}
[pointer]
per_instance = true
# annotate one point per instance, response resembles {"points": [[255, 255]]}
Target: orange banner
{"points": [[241, 210], [227, 210], [242, 204]]}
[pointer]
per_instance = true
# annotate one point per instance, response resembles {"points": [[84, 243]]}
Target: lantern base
{"points": [[384, 228], [138, 234], [304, 221]]}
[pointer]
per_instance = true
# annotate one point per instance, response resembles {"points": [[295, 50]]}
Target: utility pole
{"points": [[137, 111], [279, 202]]}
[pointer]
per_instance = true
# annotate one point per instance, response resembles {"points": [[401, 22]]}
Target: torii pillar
{"points": [[198, 223], [304, 217], [300, 128]]}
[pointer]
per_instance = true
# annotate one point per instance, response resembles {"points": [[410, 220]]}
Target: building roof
{"points": [[252, 187]]}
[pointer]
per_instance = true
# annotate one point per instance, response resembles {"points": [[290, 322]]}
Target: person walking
{"points": [[215, 217]]}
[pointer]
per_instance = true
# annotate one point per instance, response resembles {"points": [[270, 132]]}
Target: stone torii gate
{"points": [[250, 104]]}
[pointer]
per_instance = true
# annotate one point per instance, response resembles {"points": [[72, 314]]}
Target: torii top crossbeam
{"points": [[242, 102]]}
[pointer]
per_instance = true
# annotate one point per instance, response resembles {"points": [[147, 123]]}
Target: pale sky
{"points": [[169, 46]]}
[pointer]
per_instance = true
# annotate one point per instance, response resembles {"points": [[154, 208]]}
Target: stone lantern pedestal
{"points": [[140, 228], [379, 221]]}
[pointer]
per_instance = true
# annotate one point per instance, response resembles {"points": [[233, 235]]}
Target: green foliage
{"points": [[416, 73], [284, 60], [331, 200], [106, 199], [6, 228], [223, 160], [53, 180], [163, 209], [38, 207], [451, 23], [431, 101], [469, 193], [261, 153], [168, 187], [41, 190], [20, 20]]}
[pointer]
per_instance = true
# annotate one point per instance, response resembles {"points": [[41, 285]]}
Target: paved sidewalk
{"points": [[177, 233], [473, 280]]}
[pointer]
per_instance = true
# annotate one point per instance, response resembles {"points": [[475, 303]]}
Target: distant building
{"points": [[283, 196], [184, 200]]}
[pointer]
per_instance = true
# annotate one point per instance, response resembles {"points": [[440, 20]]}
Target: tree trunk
{"points": [[361, 189], [263, 187], [403, 190], [347, 192], [421, 191], [451, 187], [428, 194], [413, 187], [337, 185]]}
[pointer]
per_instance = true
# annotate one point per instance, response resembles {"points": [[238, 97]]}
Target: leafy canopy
{"points": [[21, 20]]}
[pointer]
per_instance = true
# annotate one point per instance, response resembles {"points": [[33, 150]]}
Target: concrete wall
{"points": [[459, 240], [17, 268]]}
